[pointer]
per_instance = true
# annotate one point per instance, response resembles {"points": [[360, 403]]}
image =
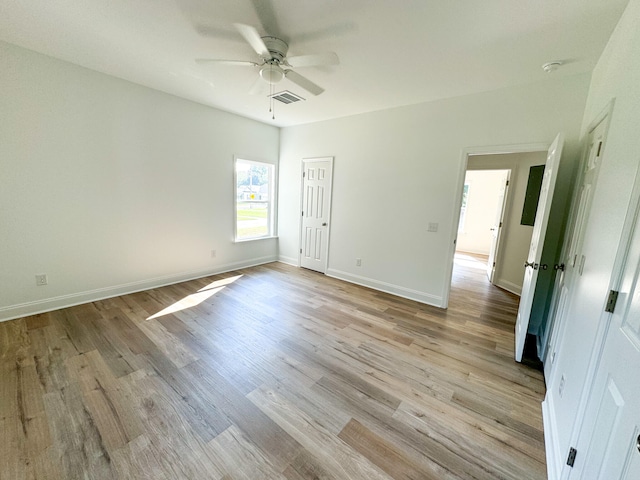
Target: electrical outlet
{"points": [[433, 227], [213, 254], [41, 279], [561, 387], [358, 262]]}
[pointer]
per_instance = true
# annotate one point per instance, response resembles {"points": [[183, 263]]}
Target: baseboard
{"points": [[46, 305], [509, 286], [403, 292], [551, 447], [473, 252], [288, 260]]}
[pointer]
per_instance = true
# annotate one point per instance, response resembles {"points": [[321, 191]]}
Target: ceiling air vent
{"points": [[286, 97]]}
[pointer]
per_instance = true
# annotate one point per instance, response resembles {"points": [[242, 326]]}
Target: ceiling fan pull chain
{"points": [[272, 107]]}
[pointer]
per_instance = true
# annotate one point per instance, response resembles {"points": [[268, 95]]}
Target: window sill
{"points": [[244, 240]]}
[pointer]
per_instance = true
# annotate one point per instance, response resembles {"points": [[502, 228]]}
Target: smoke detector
{"points": [[551, 66]]}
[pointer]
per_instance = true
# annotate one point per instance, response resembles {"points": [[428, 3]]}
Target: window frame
{"points": [[271, 201]]}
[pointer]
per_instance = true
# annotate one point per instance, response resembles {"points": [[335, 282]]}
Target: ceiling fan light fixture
{"points": [[271, 73]]}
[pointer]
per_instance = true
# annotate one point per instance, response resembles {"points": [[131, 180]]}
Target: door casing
{"points": [[466, 153], [325, 253]]}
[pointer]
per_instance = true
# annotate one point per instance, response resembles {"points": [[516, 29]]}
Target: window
{"points": [[254, 199], [463, 208]]}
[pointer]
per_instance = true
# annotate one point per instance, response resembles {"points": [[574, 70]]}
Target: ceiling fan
{"points": [[275, 64]]}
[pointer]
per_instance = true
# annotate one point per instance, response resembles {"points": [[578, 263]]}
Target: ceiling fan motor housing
{"points": [[277, 48], [271, 71]]}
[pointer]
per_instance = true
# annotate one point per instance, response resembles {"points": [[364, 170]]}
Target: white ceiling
{"points": [[392, 52]]}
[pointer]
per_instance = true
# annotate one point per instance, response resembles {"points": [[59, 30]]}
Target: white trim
{"points": [[509, 286], [505, 149], [403, 292], [288, 260], [552, 448], [471, 251], [63, 301], [464, 154], [253, 239]]}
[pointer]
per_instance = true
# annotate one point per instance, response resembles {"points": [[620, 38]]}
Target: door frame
{"points": [[464, 161], [300, 237], [556, 330]]}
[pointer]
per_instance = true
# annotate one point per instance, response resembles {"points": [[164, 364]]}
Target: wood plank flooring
{"points": [[271, 372]]}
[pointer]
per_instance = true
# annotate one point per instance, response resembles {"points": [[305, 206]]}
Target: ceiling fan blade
{"points": [[303, 82], [253, 38], [243, 63], [215, 31], [268, 18], [317, 59], [259, 87]]}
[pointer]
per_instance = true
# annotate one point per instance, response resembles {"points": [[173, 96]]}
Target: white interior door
{"points": [[316, 206], [577, 328], [573, 258], [608, 446], [496, 230], [537, 242]]}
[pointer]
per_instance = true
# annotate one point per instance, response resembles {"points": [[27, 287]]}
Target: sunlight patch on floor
{"points": [[221, 283], [197, 298], [469, 261]]}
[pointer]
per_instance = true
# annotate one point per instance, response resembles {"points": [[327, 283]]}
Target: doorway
{"points": [[484, 198], [512, 247]]}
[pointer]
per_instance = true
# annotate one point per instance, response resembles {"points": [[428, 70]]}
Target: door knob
{"points": [[638, 443], [324, 224], [559, 267], [543, 266], [528, 264]]}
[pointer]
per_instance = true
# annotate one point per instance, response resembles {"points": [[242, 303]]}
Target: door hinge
{"points": [[304, 174], [599, 149], [611, 301], [494, 264], [507, 184], [572, 456], [500, 225], [303, 214]]}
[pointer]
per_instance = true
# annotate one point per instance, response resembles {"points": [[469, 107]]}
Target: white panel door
{"points": [[537, 242], [316, 203], [609, 442], [589, 261], [496, 230], [573, 259]]}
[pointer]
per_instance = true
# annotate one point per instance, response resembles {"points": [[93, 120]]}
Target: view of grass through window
{"points": [[463, 208], [253, 199]]}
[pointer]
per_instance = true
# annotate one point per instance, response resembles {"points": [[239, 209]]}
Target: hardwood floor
{"points": [[271, 372]]}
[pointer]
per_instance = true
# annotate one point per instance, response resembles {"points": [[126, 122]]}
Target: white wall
{"points": [[516, 238], [397, 170], [616, 76], [107, 186], [481, 212]]}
